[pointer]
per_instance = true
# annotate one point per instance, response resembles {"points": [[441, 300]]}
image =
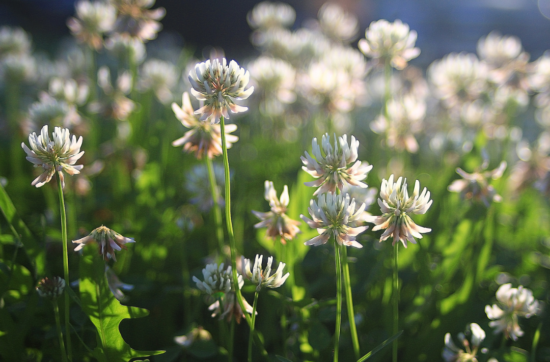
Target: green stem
{"points": [[231, 339], [387, 91], [338, 299], [65, 265], [215, 207], [59, 332], [12, 112], [395, 300], [349, 303], [535, 343], [252, 327], [185, 284]]}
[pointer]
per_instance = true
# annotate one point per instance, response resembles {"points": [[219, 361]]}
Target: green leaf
{"points": [[104, 310], [382, 345]]}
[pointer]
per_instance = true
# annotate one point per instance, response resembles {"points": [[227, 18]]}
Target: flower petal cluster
{"points": [[126, 50], [108, 241], [196, 334], [393, 42], [135, 20], [18, 68], [451, 353], [337, 24], [268, 15], [216, 279], [231, 308], [475, 186], [219, 85], [93, 19], [512, 303], [14, 41], [276, 79], [260, 276], [203, 138], [54, 155], [160, 77], [332, 168], [115, 103], [396, 206], [335, 216], [276, 221], [51, 288]]}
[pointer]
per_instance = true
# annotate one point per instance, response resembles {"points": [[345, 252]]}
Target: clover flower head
{"points": [[231, 308], [68, 90], [14, 41], [275, 77], [393, 42], [337, 24], [51, 288], [498, 51], [203, 138], [108, 241], [197, 183], [115, 104], [362, 196], [335, 215], [126, 49], [196, 334], [93, 19], [512, 303], [260, 276], [53, 155], [451, 353], [276, 221], [332, 168], [17, 68], [160, 77], [115, 285], [475, 186], [539, 79], [219, 85], [268, 15], [50, 111], [135, 20], [397, 206], [216, 279]]}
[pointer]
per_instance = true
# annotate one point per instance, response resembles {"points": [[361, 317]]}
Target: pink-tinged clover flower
{"points": [[475, 186], [108, 241]]}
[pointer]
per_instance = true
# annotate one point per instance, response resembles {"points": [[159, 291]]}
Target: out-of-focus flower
{"points": [[17, 68], [198, 185], [108, 241], [260, 276], [115, 285], [335, 215], [93, 19], [475, 186], [533, 164], [498, 51], [68, 90], [396, 206], [216, 279], [50, 111], [362, 196], [332, 170], [14, 41], [512, 303], [59, 154], [51, 288], [115, 105], [451, 353], [135, 20], [231, 308], [196, 334], [389, 42], [337, 24], [276, 221], [219, 85], [275, 78], [539, 79], [268, 15], [160, 77], [126, 50]]}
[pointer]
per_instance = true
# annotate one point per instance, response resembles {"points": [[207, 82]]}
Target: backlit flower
{"points": [[51, 288], [397, 206], [125, 50], [267, 15], [115, 103], [260, 276], [335, 216], [219, 85], [115, 285], [216, 279], [160, 77], [539, 79], [17, 68], [275, 78], [337, 24], [196, 334], [59, 154], [451, 353], [135, 20], [231, 308], [108, 241], [14, 41], [93, 19], [475, 186], [332, 168]]}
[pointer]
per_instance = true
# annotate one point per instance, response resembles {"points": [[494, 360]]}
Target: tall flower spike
{"points": [[332, 170], [335, 215], [216, 279], [203, 138], [276, 221], [59, 154], [219, 85], [396, 206], [475, 186], [260, 276], [108, 240], [451, 353]]}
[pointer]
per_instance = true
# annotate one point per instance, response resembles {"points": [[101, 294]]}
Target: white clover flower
{"points": [[203, 138], [268, 15], [231, 308], [195, 335], [216, 279], [219, 85], [108, 241], [335, 216], [68, 90], [14, 41], [126, 49], [50, 111], [332, 169], [51, 288], [57, 155], [115, 103], [396, 206], [392, 42], [475, 186], [93, 19], [260, 276], [197, 183], [275, 77], [350, 60], [276, 221], [512, 303], [498, 51], [362, 196], [17, 68], [337, 24], [135, 20], [451, 353], [160, 77], [539, 79]]}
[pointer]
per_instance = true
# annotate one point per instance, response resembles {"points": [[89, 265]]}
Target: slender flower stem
{"points": [[395, 300], [349, 303], [252, 326], [231, 339], [387, 90], [338, 299], [59, 332], [185, 284], [215, 207]]}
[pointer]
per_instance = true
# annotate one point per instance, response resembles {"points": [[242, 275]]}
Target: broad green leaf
{"points": [[104, 310]]}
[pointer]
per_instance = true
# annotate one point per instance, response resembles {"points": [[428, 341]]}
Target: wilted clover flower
{"points": [[14, 41], [219, 85], [197, 183], [160, 77], [277, 222], [335, 215], [396, 206], [260, 276], [51, 288], [216, 279], [115, 285], [332, 169], [203, 138], [59, 154], [337, 24], [389, 42], [231, 308], [108, 241], [451, 353], [135, 20], [115, 103], [196, 334], [267, 15], [475, 186], [512, 303], [93, 19]]}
